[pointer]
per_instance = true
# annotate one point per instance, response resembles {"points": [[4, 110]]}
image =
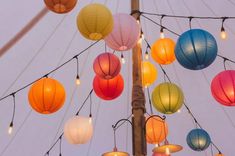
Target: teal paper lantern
{"points": [[198, 140], [196, 49]]}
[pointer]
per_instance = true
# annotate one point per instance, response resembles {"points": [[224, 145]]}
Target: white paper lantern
{"points": [[78, 130]]}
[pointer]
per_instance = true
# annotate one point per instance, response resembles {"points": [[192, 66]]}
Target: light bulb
{"points": [[156, 145], [168, 151], [142, 36], [123, 59], [178, 111], [10, 129], [223, 33], [162, 35], [90, 120], [146, 55], [78, 82]]}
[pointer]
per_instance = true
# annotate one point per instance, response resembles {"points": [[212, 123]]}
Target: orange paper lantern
{"points": [[46, 96], [60, 6], [156, 130], [163, 51]]}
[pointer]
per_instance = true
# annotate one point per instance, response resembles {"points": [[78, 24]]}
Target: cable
{"points": [[51, 71], [33, 58]]}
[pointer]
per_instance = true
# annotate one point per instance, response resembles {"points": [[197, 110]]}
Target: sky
{"points": [[55, 39]]}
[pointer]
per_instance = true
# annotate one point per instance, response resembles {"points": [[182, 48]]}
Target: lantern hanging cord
{"points": [[190, 21], [225, 59], [52, 71], [77, 67], [60, 145], [90, 106], [150, 103], [60, 137], [14, 109]]}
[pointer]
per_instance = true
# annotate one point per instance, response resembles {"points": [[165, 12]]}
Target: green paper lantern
{"points": [[167, 98]]}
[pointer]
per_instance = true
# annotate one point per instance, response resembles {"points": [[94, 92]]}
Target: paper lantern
{"points": [[198, 140], [223, 87], [163, 51], [95, 21], [125, 33], [107, 65], [196, 49], [46, 96], [167, 98], [167, 148], [108, 89], [115, 152], [219, 154], [149, 73], [159, 154], [60, 6], [78, 130], [156, 130]]}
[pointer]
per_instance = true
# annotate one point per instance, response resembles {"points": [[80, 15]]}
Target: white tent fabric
{"points": [[55, 39]]}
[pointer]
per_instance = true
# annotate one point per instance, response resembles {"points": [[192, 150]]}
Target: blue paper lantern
{"points": [[196, 49], [198, 140]]}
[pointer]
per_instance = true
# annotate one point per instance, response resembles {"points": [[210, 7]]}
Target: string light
{"points": [[223, 33], [122, 59], [78, 82], [146, 55], [10, 128], [162, 35], [179, 111]]}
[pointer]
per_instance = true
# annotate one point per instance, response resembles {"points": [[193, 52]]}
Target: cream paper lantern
{"points": [[78, 130]]}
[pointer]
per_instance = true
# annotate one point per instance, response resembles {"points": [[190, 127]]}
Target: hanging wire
{"points": [[150, 103], [13, 115], [52, 71], [60, 145], [90, 115], [190, 21], [34, 57]]}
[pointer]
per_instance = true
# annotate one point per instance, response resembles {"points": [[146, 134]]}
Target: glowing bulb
{"points": [[123, 59], [138, 21], [115, 154], [10, 129], [162, 35], [90, 120], [168, 151], [78, 82], [146, 55], [156, 145], [142, 36], [223, 34], [178, 111]]}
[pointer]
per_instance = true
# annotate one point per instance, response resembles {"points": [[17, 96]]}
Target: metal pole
{"points": [[138, 98]]}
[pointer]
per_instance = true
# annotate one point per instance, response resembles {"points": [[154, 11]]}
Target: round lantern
{"points": [[108, 89], [95, 21], [149, 73], [196, 49], [125, 34], [219, 154], [167, 98], [198, 139], [46, 96], [107, 65], [163, 51], [115, 152], [159, 154], [60, 7], [156, 130], [78, 130], [223, 87]]}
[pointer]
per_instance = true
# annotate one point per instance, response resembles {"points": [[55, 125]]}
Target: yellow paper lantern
{"points": [[163, 51], [167, 98], [95, 21], [149, 73]]}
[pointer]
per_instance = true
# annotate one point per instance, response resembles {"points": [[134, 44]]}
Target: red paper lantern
{"points": [[223, 87], [108, 89], [107, 65]]}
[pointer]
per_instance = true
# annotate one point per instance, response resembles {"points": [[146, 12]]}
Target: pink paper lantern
{"points": [[125, 34], [223, 87], [107, 65]]}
